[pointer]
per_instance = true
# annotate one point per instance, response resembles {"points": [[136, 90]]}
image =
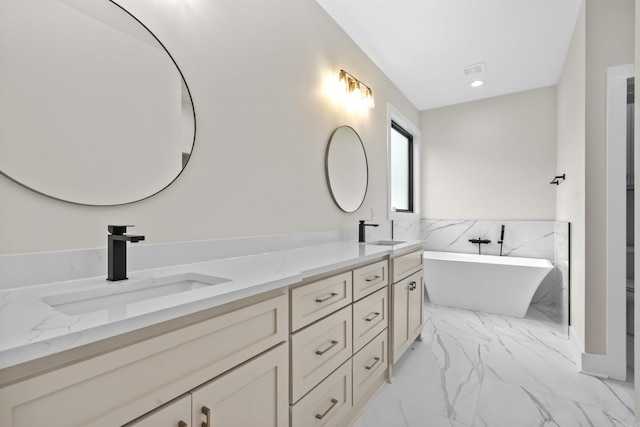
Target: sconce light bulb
{"points": [[357, 95]]}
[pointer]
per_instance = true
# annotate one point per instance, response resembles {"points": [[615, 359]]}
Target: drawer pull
{"points": [[328, 297], [207, 413], [412, 286], [371, 316], [371, 279], [334, 402], [182, 424], [375, 361], [321, 352]]}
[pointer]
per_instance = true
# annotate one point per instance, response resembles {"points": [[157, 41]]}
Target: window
{"points": [[401, 169]]}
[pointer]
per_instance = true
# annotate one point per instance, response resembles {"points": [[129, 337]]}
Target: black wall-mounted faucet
{"points": [[361, 227], [479, 242], [117, 251]]}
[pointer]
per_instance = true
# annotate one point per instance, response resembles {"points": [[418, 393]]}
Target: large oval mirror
{"points": [[347, 169], [93, 108]]}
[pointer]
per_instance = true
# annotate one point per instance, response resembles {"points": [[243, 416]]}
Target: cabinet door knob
{"points": [[328, 297], [412, 286], [321, 352], [207, 413], [182, 424], [334, 402]]}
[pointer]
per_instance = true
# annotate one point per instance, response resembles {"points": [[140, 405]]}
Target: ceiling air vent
{"points": [[474, 69]]}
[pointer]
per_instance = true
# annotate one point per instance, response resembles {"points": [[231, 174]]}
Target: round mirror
{"points": [[93, 108], [347, 169]]}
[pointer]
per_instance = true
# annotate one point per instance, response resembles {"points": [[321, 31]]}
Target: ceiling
{"points": [[422, 45]]}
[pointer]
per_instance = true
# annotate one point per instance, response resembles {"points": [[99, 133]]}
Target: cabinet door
{"points": [[400, 318], [176, 413], [407, 313], [254, 394]]}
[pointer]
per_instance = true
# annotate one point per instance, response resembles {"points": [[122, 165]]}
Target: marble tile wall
{"points": [[529, 239]]}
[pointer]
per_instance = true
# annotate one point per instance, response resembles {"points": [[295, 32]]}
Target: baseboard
{"points": [[576, 348]]}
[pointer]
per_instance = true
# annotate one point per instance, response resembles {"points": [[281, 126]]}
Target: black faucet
{"points": [[361, 227], [117, 251], [479, 242]]}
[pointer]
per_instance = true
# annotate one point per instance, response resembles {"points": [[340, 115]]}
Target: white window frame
{"points": [[394, 114]]}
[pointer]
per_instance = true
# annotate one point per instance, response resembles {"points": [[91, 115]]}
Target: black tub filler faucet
{"points": [[480, 242], [117, 251]]}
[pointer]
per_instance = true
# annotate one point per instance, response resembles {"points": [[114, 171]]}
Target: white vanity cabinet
{"points": [[314, 353], [407, 302], [338, 345], [121, 385]]}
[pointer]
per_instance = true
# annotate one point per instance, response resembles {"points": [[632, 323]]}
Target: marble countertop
{"points": [[31, 329]]}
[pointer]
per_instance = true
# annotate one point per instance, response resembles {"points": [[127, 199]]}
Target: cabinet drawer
{"points": [[319, 349], [328, 403], [369, 364], [369, 279], [370, 317], [406, 264], [316, 300]]}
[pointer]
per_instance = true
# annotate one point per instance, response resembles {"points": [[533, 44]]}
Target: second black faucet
{"points": [[361, 227]]}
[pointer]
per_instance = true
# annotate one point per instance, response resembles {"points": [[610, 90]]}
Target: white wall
{"points": [[570, 196], [490, 159], [603, 37], [610, 29], [257, 72]]}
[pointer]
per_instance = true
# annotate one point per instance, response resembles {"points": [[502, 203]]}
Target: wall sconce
{"points": [[357, 93]]}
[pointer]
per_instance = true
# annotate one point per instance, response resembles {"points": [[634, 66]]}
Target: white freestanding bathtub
{"points": [[493, 284]]}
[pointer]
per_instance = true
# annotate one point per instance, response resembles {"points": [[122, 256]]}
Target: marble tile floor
{"points": [[483, 370]]}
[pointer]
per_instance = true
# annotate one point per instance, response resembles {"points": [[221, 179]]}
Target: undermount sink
{"points": [[128, 292], [387, 242]]}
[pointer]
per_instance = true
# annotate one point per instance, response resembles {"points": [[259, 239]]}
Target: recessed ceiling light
{"points": [[477, 83]]}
